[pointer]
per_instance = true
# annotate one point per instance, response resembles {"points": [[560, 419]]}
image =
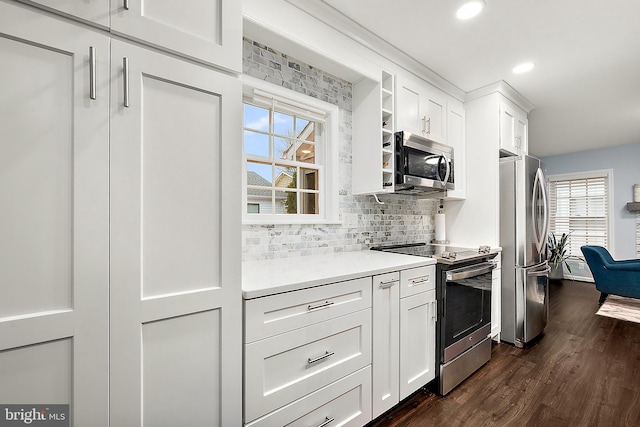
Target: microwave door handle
{"points": [[446, 175]]}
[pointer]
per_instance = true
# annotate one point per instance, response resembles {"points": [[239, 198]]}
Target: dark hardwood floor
{"points": [[584, 371]]}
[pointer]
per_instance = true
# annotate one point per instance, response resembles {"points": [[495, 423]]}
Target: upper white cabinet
{"points": [[456, 138], [92, 11], [513, 129], [421, 109], [209, 31]]}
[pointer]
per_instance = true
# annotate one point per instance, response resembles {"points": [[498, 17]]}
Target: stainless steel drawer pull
{"points": [[92, 72], [126, 4], [390, 283], [326, 422], [315, 307], [125, 73], [326, 354], [419, 281]]}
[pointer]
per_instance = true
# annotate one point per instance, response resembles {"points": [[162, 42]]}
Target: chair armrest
{"points": [[623, 266]]}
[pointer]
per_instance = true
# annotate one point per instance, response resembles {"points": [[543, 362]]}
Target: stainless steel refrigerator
{"points": [[524, 219]]}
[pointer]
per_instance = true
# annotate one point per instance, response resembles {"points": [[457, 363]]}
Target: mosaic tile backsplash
{"points": [[364, 222]]}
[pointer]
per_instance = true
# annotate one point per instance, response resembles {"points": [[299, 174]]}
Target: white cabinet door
{"points": [[176, 315], [409, 100], [435, 115], [521, 133], [54, 223], [417, 341], [421, 109], [456, 139], [514, 128], [386, 341], [205, 30], [93, 11]]}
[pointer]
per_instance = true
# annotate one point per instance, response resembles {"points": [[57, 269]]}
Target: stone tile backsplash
{"points": [[364, 222]]}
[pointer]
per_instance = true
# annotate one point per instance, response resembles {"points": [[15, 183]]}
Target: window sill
{"points": [[288, 221]]}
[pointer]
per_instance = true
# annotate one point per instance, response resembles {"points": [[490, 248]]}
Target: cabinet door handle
{"points": [[125, 74], [419, 281], [126, 4], [315, 307], [92, 72], [311, 361], [434, 310], [429, 126], [326, 422], [390, 283]]}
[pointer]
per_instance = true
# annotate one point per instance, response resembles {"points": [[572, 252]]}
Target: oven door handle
{"points": [[466, 273]]}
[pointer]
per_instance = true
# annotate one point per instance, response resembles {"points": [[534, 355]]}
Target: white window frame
{"points": [[608, 173], [328, 179]]}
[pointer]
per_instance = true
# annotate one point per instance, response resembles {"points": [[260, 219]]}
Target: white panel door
{"points": [[417, 341], [408, 105], [205, 30], [507, 129], [434, 113], [94, 11], [54, 224], [456, 138], [385, 342], [176, 312]]}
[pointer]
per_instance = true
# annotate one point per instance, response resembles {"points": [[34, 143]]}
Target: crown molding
{"points": [[338, 21], [504, 89]]}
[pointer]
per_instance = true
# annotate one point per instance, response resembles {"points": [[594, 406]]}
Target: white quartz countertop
{"points": [[269, 277]]}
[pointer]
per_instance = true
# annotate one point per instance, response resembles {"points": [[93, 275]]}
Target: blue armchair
{"points": [[612, 277]]}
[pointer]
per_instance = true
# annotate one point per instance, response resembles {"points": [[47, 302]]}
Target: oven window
{"points": [[468, 306]]}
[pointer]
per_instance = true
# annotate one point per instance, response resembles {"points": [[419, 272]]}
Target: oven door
{"points": [[467, 308]]}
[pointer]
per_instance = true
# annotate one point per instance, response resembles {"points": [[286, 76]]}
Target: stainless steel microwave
{"points": [[422, 165]]}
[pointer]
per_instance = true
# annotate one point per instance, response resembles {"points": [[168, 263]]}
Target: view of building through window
{"points": [[282, 161]]}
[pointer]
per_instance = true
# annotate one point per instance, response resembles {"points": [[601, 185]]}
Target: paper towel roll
{"points": [[440, 228]]}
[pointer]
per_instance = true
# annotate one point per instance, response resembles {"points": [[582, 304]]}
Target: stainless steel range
{"points": [[463, 291]]}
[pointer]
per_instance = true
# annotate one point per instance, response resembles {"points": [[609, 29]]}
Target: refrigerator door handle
{"points": [[538, 185]]}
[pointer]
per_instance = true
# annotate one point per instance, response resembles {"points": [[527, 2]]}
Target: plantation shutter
{"points": [[579, 208]]}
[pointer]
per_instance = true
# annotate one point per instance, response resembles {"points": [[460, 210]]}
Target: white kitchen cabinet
{"points": [[404, 306], [417, 341], [54, 221], [456, 139], [204, 30], [418, 313], [175, 333], [421, 109], [346, 402], [285, 367], [386, 342], [513, 129], [496, 300], [373, 155]]}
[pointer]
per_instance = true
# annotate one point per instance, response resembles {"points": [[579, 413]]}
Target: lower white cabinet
{"points": [[345, 402], [417, 341], [339, 354], [404, 307], [386, 342], [496, 298]]}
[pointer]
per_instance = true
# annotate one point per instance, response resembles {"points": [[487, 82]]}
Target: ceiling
{"points": [[585, 86]]}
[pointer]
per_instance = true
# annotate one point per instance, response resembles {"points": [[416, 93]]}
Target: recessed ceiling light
{"points": [[523, 68], [470, 9]]}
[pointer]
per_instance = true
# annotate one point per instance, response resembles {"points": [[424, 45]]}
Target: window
{"points": [[288, 157], [580, 207]]}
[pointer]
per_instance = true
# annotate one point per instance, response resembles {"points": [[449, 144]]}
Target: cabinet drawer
{"points": [[416, 280], [347, 402], [268, 316], [286, 367]]}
